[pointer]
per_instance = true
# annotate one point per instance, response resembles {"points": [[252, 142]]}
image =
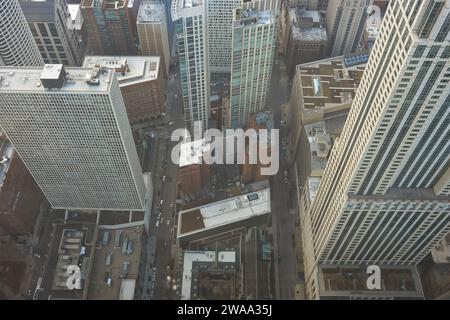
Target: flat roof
{"points": [[118, 258], [192, 152], [150, 12], [137, 69], [24, 79], [350, 281], [127, 289], [314, 33], [224, 212], [190, 257], [253, 17], [329, 84]]}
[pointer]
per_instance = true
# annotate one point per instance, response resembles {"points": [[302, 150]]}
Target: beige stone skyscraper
{"points": [[384, 195]]}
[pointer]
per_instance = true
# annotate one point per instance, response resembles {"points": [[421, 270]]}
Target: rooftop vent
{"points": [[53, 76]]}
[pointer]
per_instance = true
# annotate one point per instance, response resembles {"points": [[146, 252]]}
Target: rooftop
{"points": [[205, 258], [224, 212], [307, 25], [321, 136], [329, 85], [192, 152], [252, 17], [349, 282], [129, 69], [150, 12], [78, 80], [116, 264]]}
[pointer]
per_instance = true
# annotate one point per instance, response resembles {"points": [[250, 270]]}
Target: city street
{"points": [[164, 175], [283, 217]]}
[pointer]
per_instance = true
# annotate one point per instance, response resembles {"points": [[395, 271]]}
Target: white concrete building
{"points": [[71, 130], [17, 46]]}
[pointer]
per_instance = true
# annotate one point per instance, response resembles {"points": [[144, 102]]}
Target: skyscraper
{"points": [[346, 21], [152, 31], [220, 34], [254, 43], [111, 26], [71, 130], [384, 194], [191, 24], [49, 24], [17, 46]]}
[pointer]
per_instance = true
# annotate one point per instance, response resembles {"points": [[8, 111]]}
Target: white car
{"points": [[168, 222]]}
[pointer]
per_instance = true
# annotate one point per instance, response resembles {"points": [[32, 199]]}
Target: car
{"points": [[168, 222], [157, 224], [171, 123], [163, 179]]}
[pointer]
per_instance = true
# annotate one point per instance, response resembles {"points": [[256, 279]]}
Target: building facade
{"points": [[111, 26], [192, 38], [71, 129], [58, 43], [220, 35], [152, 31], [254, 43], [20, 197], [383, 197], [346, 23], [17, 46]]}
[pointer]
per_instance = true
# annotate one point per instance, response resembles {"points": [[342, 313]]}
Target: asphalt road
{"points": [[158, 161], [283, 217]]}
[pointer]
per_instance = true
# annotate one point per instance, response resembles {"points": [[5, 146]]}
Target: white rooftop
{"points": [[28, 79], [75, 16], [138, 69], [200, 256], [228, 211], [127, 288], [192, 152], [150, 12]]}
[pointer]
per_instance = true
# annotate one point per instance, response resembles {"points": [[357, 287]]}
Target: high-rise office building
{"points": [[17, 46], [254, 43], [111, 26], [191, 26], [71, 130], [49, 23], [220, 34], [152, 31], [346, 22], [384, 194]]}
